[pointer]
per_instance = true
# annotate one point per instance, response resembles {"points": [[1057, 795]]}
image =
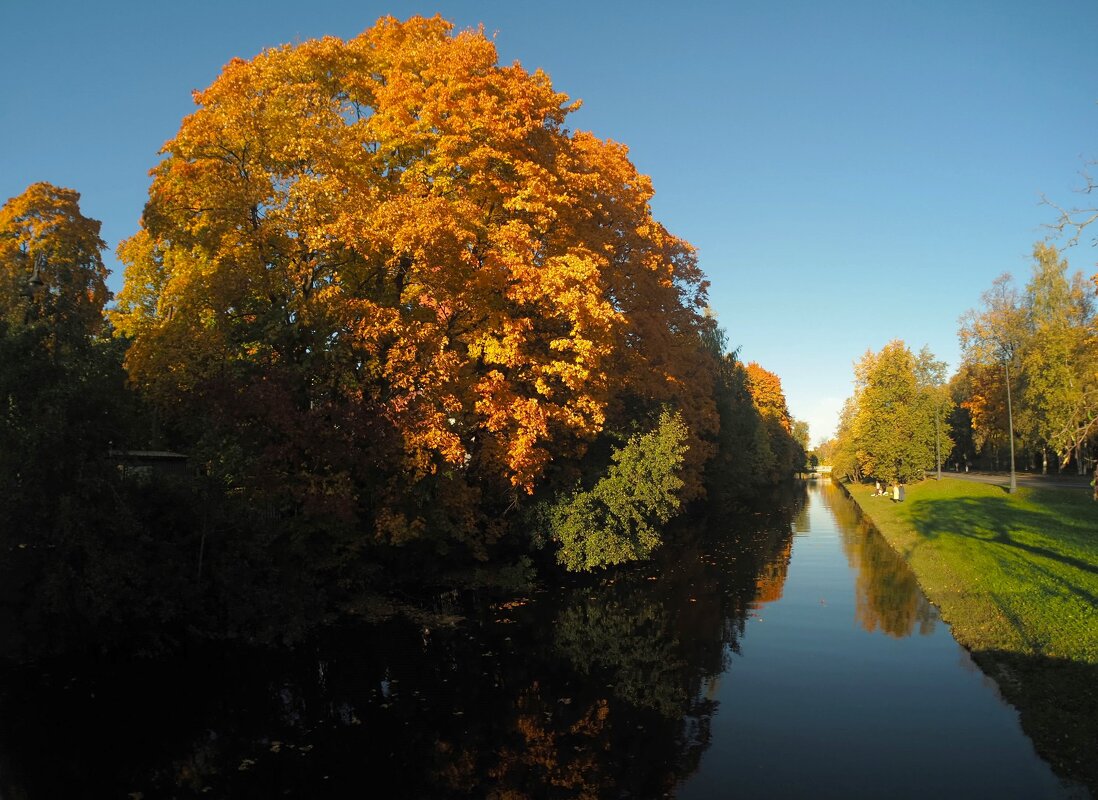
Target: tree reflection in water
{"points": [[599, 688], [888, 597]]}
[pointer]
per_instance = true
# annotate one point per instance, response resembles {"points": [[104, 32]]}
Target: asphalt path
{"points": [[1027, 479]]}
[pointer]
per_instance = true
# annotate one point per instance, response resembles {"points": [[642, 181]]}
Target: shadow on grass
{"points": [[1058, 702], [996, 520]]}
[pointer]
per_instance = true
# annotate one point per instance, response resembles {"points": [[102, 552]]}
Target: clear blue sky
{"points": [[850, 172]]}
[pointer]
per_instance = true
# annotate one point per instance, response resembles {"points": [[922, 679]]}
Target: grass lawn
{"points": [[1017, 578]]}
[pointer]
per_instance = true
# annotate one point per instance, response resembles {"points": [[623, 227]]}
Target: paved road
{"points": [[1027, 479]]}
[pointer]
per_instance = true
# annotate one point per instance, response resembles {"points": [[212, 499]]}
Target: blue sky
{"points": [[850, 172]]}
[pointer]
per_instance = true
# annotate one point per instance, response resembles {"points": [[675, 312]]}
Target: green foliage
{"points": [[885, 427], [801, 434], [744, 458], [1059, 357], [935, 400], [757, 443], [890, 428], [842, 450], [616, 521], [637, 643], [60, 408]]}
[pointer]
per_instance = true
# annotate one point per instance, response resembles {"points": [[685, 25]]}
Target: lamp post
{"points": [[937, 437], [35, 286], [1010, 426]]}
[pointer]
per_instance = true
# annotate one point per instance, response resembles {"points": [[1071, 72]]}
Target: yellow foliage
{"points": [[43, 230], [406, 223]]}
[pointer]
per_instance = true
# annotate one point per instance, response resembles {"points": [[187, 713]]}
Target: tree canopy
{"points": [[387, 262], [887, 429], [44, 234], [1040, 343], [618, 520]]}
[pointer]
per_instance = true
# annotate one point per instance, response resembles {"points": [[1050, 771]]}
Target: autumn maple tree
{"points": [[386, 262]]}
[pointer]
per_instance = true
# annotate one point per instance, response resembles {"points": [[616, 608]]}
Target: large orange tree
{"points": [[381, 274]]}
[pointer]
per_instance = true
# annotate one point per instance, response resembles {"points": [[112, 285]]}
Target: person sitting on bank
{"points": [[879, 490]]}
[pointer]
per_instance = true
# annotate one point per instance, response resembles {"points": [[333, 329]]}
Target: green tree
{"points": [[931, 376], [744, 459], [893, 430], [961, 423], [843, 448], [801, 436], [618, 520], [78, 560], [825, 452], [62, 389], [1058, 362]]}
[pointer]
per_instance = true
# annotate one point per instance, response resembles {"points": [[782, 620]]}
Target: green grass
{"points": [[1017, 572], [1016, 576]]}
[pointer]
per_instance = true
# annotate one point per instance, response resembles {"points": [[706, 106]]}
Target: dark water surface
{"points": [[788, 654]]}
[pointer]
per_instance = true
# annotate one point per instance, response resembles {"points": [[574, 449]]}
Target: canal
{"points": [[785, 653]]}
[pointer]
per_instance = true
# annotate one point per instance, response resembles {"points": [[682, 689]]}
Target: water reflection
{"points": [[888, 597], [604, 687], [598, 688]]}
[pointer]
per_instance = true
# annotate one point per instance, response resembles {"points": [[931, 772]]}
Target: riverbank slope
{"points": [[1017, 578]]}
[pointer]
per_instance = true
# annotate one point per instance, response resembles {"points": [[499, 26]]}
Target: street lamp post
{"points": [[937, 438], [1010, 428], [35, 286]]}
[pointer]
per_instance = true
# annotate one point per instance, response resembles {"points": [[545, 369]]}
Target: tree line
{"points": [[405, 324], [1026, 389]]}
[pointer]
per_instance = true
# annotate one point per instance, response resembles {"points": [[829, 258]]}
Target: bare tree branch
{"points": [[1074, 221]]}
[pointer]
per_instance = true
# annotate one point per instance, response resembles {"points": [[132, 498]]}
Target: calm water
{"points": [[788, 654]]}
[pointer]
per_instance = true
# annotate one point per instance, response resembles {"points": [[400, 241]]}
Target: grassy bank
{"points": [[1017, 578]]}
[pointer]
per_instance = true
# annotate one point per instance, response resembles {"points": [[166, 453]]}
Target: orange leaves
{"points": [[984, 390], [43, 229], [397, 221], [766, 392], [520, 426], [554, 750]]}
